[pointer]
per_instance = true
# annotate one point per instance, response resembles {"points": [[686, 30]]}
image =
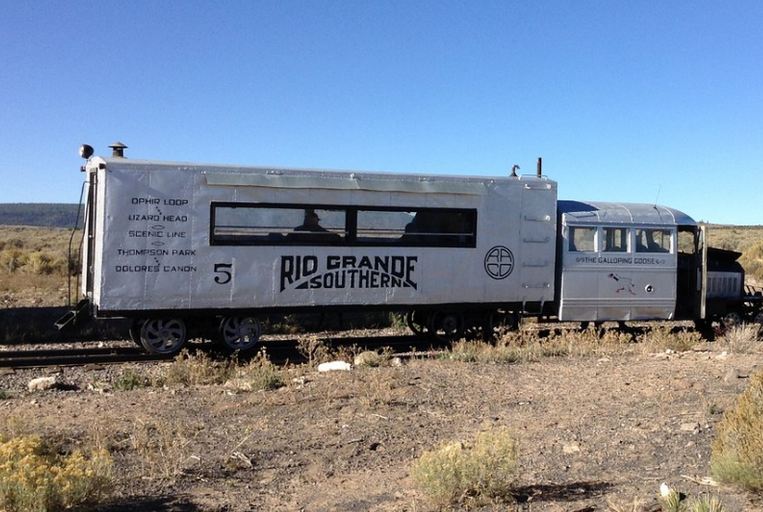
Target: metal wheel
{"points": [[758, 320], [731, 319], [499, 322], [413, 319], [163, 335], [240, 333], [446, 326]]}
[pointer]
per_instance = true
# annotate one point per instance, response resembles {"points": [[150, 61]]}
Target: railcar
{"points": [[184, 249]]}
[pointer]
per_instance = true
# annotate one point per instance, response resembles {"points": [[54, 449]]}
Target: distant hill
{"points": [[53, 215]]}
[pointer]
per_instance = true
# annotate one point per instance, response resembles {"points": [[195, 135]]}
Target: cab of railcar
{"points": [[619, 262]]}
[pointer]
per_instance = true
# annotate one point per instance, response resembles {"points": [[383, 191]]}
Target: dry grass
{"points": [[673, 502], [382, 386], [707, 503], [163, 448], [478, 472], [38, 251], [313, 349], [746, 239], [737, 451], [193, 369], [260, 374], [659, 339], [741, 339], [34, 478], [526, 346], [199, 369]]}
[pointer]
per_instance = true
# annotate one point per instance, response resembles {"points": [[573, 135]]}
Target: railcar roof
{"points": [[596, 212], [339, 173], [279, 177]]}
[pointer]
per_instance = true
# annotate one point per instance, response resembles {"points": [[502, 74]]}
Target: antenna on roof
{"points": [[657, 199]]}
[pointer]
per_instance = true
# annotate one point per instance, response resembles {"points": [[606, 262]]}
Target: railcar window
{"points": [[652, 240], [269, 224], [582, 239], [687, 241], [615, 240], [275, 225], [416, 227]]}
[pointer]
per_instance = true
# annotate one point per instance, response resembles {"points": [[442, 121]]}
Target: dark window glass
{"points": [[652, 240], [615, 240], [687, 241], [259, 224], [582, 239], [424, 227], [275, 225]]}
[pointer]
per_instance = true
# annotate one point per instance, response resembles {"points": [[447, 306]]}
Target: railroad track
{"points": [[74, 357], [279, 351]]}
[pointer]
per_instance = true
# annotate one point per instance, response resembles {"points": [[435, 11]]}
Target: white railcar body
{"points": [[188, 237]]}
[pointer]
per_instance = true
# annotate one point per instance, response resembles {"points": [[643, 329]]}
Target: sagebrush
{"points": [[33, 478], [737, 450], [479, 471]]}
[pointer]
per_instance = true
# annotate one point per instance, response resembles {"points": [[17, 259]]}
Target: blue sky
{"points": [[625, 100]]}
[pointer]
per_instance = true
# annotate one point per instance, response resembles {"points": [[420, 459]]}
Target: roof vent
{"points": [[118, 149]]}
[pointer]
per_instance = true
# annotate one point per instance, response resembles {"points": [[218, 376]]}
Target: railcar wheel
{"points": [[413, 319], [163, 335], [731, 320], [240, 333], [758, 320], [447, 326]]}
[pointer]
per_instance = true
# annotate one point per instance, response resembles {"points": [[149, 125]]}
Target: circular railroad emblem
{"points": [[499, 262]]}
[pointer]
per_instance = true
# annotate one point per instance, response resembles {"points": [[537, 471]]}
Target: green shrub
{"points": [[34, 479], [737, 450], [480, 471], [129, 380]]}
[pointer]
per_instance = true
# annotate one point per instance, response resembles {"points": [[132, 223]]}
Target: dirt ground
{"points": [[594, 431]]}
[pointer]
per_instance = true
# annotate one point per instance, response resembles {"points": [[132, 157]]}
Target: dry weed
{"points": [[740, 339], [196, 369], [313, 349], [528, 346], [260, 374], [635, 506], [381, 386], [707, 503], [659, 339], [163, 447]]}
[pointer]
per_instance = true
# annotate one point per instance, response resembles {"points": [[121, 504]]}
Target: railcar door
{"points": [[689, 278], [89, 248]]}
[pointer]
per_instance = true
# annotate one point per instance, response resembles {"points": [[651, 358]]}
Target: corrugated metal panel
{"points": [[723, 285]]}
